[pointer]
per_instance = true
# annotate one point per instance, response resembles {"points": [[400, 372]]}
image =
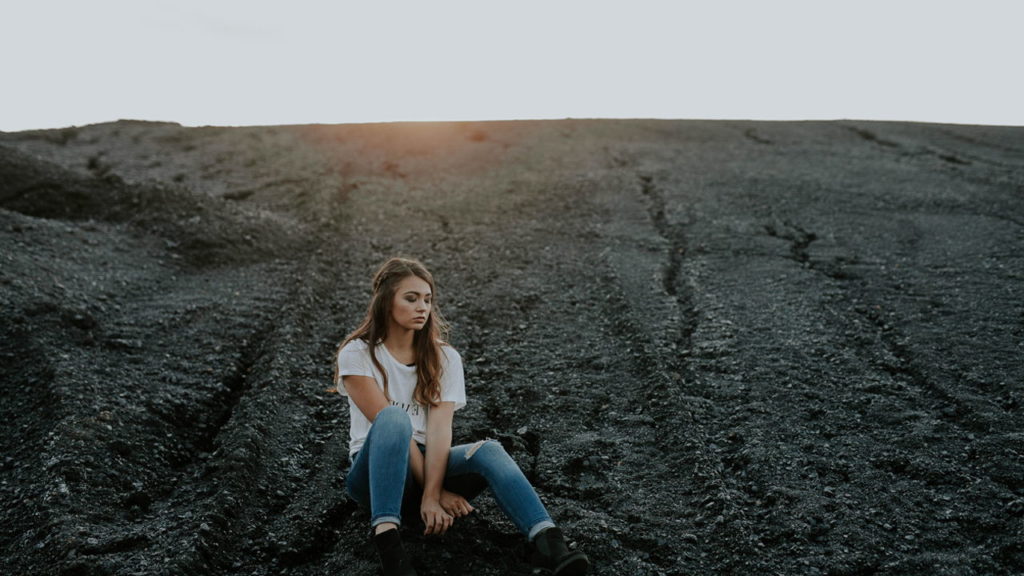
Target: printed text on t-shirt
{"points": [[410, 409]]}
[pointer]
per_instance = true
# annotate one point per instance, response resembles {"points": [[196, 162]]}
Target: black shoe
{"points": [[392, 556], [551, 553]]}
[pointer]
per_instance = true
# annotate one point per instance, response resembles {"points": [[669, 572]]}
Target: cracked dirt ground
{"points": [[715, 347]]}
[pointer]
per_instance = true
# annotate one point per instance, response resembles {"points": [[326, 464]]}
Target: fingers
{"points": [[437, 522], [462, 507], [458, 507], [440, 523], [438, 516]]}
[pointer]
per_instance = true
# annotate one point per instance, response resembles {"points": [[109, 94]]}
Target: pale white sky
{"points": [[253, 62]]}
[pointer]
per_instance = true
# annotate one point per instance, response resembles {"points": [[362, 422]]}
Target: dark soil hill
{"points": [[715, 347]]}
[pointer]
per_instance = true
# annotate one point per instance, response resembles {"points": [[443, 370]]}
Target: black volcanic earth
{"points": [[745, 348]]}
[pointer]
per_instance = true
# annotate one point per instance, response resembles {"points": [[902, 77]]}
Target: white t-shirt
{"points": [[354, 360]]}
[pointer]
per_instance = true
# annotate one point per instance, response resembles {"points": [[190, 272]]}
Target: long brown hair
{"points": [[426, 342]]}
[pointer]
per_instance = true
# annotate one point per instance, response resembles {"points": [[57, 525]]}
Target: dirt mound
{"points": [[202, 229], [713, 346]]}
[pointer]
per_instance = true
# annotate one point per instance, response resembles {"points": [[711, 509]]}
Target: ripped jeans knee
{"points": [[510, 487], [473, 448]]}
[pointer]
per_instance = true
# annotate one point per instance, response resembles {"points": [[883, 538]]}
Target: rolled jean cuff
{"points": [[538, 527], [393, 519]]}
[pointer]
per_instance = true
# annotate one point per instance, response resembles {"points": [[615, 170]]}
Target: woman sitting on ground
{"points": [[404, 384]]}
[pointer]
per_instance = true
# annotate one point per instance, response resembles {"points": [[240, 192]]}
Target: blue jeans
{"points": [[380, 480]]}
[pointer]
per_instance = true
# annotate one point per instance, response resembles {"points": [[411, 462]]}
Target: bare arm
{"points": [[370, 400], [439, 444]]}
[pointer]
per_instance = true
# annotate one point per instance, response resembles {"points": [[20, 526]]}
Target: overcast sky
{"points": [[251, 62]]}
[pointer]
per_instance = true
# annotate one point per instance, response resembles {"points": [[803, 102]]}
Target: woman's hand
{"points": [[434, 517], [455, 504]]}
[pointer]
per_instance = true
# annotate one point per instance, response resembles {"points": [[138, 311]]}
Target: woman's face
{"points": [[410, 307]]}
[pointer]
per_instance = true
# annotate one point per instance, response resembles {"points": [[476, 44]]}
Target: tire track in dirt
{"points": [[261, 492], [757, 485], [957, 158], [235, 385], [162, 454], [675, 235], [881, 337], [318, 524], [669, 385], [277, 451], [26, 394], [898, 360], [178, 345]]}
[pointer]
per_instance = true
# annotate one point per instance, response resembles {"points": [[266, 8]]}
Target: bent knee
{"points": [[489, 454], [486, 448], [394, 419]]}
